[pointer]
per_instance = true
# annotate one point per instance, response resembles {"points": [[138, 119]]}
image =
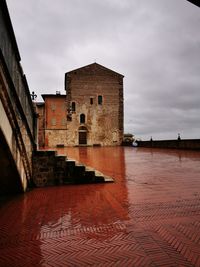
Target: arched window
{"points": [[73, 106], [82, 118], [100, 99]]}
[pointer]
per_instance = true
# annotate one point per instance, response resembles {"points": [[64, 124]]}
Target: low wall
{"points": [[48, 168], [193, 144]]}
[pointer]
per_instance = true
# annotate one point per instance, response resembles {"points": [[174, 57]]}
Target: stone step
{"points": [[69, 167], [108, 179], [61, 157], [70, 163], [53, 169], [59, 169], [85, 174], [45, 153], [89, 175], [99, 178], [79, 174]]}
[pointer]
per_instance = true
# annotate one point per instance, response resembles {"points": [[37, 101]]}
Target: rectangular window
{"points": [[53, 122], [82, 118], [73, 106], [100, 99], [53, 106], [91, 100]]}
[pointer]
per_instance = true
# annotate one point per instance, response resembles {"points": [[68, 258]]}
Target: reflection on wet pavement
{"points": [[150, 216]]}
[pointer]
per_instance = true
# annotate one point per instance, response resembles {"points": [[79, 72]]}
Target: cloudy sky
{"points": [[155, 44]]}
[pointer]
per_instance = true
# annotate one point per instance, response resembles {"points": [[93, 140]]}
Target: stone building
{"points": [[94, 106], [91, 112]]}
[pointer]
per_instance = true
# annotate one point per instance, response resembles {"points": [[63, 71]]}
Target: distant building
{"points": [[91, 112], [94, 106], [52, 127]]}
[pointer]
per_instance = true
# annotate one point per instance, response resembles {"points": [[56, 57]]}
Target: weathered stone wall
{"points": [[40, 108], [104, 122], [55, 137], [48, 168]]}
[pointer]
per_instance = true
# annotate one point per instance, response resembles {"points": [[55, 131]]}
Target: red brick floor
{"points": [[150, 216]]}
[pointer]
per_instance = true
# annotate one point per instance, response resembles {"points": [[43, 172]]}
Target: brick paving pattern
{"points": [[150, 216]]}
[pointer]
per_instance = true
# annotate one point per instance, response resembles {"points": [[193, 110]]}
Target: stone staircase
{"points": [[52, 169]]}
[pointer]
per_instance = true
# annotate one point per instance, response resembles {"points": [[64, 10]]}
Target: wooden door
{"points": [[83, 138]]}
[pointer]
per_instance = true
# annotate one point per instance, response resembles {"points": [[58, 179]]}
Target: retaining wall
{"points": [[193, 144]]}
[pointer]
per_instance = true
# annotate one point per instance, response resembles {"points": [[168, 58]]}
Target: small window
{"points": [[91, 100], [73, 106], [63, 122], [100, 99], [82, 118], [53, 122], [53, 106]]}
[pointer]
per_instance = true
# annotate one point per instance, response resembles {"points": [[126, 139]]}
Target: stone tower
{"points": [[95, 114]]}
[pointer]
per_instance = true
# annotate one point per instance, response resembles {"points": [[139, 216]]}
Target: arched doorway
{"points": [[82, 135]]}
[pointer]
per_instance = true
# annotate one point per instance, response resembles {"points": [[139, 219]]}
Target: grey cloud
{"points": [[155, 44]]}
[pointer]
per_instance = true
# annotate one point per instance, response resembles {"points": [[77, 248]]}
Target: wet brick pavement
{"points": [[150, 216]]}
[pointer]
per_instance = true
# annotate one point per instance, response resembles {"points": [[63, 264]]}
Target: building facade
{"points": [[91, 112], [94, 106], [52, 127]]}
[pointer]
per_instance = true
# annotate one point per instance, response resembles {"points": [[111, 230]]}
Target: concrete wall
{"points": [[177, 144], [103, 122]]}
